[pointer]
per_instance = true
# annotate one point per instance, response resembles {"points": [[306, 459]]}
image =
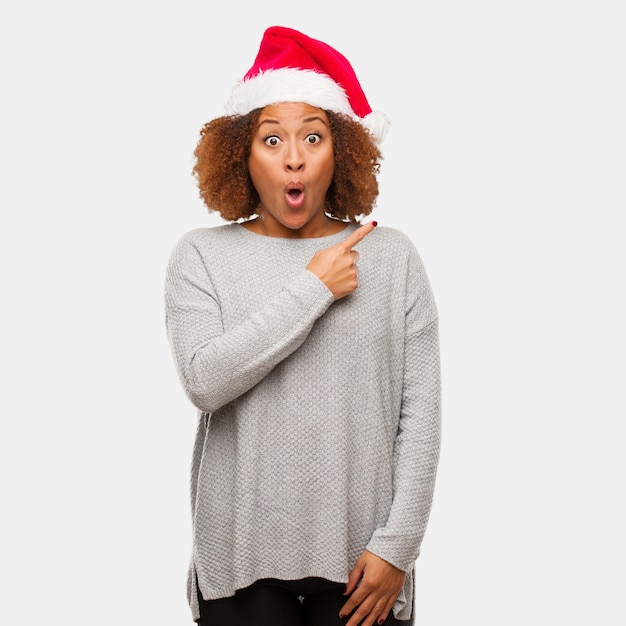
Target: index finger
{"points": [[358, 235]]}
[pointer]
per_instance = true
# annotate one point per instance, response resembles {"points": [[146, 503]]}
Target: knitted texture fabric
{"points": [[319, 421]]}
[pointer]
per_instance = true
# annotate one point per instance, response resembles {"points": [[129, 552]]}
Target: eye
{"points": [[271, 140], [313, 138]]}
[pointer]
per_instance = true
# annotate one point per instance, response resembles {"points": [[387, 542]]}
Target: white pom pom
{"points": [[377, 123]]}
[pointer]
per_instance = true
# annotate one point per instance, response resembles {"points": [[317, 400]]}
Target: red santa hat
{"points": [[292, 67]]}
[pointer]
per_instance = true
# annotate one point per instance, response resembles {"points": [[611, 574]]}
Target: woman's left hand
{"points": [[379, 584]]}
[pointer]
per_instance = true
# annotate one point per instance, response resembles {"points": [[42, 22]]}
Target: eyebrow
{"points": [[306, 120]]}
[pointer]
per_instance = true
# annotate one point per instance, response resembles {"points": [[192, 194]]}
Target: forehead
{"points": [[292, 111]]}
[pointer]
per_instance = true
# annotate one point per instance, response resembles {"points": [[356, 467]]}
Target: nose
{"points": [[294, 161]]}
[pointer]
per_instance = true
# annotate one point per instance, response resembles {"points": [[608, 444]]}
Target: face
{"points": [[292, 165]]}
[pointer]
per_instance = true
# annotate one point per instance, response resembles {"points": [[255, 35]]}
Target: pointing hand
{"points": [[336, 266]]}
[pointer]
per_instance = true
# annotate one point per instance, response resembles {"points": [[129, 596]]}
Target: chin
{"points": [[296, 224]]}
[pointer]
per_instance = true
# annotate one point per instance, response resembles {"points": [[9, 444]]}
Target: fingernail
{"points": [[375, 223], [381, 620], [342, 616]]}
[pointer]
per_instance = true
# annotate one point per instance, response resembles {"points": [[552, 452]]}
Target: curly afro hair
{"points": [[221, 167]]}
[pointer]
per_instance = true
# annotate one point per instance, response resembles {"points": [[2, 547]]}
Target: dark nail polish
{"points": [[375, 223]]}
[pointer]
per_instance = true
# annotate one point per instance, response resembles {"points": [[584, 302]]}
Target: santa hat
{"points": [[292, 67]]}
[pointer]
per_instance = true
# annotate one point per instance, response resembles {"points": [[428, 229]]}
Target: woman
{"points": [[316, 378]]}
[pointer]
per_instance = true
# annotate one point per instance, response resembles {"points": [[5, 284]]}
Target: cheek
{"points": [[258, 171], [330, 162], [329, 171]]}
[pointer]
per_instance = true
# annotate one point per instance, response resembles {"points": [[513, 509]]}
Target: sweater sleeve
{"points": [[215, 366], [417, 444]]}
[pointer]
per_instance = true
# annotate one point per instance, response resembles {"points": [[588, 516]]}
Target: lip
{"points": [[294, 185]]}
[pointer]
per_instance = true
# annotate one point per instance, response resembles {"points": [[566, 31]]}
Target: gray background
{"points": [[505, 163]]}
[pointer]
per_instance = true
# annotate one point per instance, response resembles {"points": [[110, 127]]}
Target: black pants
{"points": [[270, 602]]}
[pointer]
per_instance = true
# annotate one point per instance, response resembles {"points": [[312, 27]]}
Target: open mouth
{"points": [[294, 194]]}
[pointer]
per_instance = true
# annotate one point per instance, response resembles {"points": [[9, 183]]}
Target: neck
{"points": [[327, 226]]}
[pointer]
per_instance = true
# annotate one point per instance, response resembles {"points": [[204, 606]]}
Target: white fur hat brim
{"points": [[299, 85]]}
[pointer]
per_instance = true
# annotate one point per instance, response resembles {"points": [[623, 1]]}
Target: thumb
{"points": [[354, 577]]}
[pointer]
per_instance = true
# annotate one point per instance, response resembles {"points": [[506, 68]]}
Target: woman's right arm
{"points": [[215, 366]]}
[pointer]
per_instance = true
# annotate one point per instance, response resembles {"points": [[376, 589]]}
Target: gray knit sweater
{"points": [[319, 421]]}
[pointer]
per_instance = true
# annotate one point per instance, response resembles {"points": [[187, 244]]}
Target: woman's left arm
{"points": [[416, 453], [393, 548]]}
